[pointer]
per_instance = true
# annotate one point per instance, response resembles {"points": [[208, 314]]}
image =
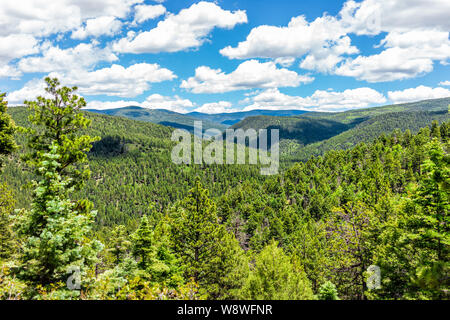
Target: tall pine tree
{"points": [[55, 230], [210, 255]]}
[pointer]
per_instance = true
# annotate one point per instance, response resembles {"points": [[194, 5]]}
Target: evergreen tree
{"points": [[59, 120], [427, 227], [7, 129], [55, 230], [210, 255], [143, 248], [274, 277], [119, 244], [6, 236], [328, 291]]}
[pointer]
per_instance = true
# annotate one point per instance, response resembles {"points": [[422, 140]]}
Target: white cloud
{"points": [[316, 39], [417, 37], [148, 12], [273, 99], [83, 56], [444, 83], [176, 104], [285, 61], [407, 55], [154, 101], [106, 105], [248, 75], [96, 27], [113, 81], [217, 107], [417, 94], [16, 46], [326, 58], [43, 17], [116, 80], [373, 16], [7, 71], [30, 91], [187, 29]]}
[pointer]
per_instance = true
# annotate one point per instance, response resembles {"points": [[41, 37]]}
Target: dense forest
{"points": [[314, 133], [98, 197]]}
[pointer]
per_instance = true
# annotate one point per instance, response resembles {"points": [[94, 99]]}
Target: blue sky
{"points": [[228, 55]]}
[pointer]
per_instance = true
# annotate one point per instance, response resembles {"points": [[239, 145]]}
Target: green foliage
{"points": [[328, 291], [7, 244], [119, 244], [55, 230], [225, 232], [60, 122], [274, 277], [210, 256], [143, 248], [7, 129]]}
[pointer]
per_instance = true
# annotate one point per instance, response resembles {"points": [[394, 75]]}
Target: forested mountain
{"points": [[234, 117], [314, 133], [160, 116], [131, 169], [167, 231], [186, 121]]}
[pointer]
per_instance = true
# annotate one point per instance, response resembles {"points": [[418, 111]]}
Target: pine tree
{"points": [[210, 255], [7, 129], [143, 248], [328, 291], [427, 227], [7, 145], [55, 230], [274, 277], [59, 120], [6, 209], [119, 245]]}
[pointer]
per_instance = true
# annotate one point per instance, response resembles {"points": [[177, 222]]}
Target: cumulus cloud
{"points": [[322, 37], [248, 75], [7, 71], [113, 81], [273, 99], [96, 27], [176, 104], [444, 83], [370, 17], [83, 56], [419, 93], [16, 46], [154, 101], [417, 36], [187, 29], [106, 105], [285, 61], [148, 12], [30, 91], [407, 55], [43, 17], [217, 107], [116, 80]]}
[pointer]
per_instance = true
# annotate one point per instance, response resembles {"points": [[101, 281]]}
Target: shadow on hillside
{"points": [[109, 146], [309, 131]]}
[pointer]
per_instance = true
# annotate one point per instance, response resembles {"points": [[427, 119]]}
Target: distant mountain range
{"points": [[304, 134], [186, 121], [314, 133]]}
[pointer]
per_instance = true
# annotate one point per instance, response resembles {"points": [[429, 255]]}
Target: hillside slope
{"points": [[131, 169], [314, 133], [160, 116]]}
